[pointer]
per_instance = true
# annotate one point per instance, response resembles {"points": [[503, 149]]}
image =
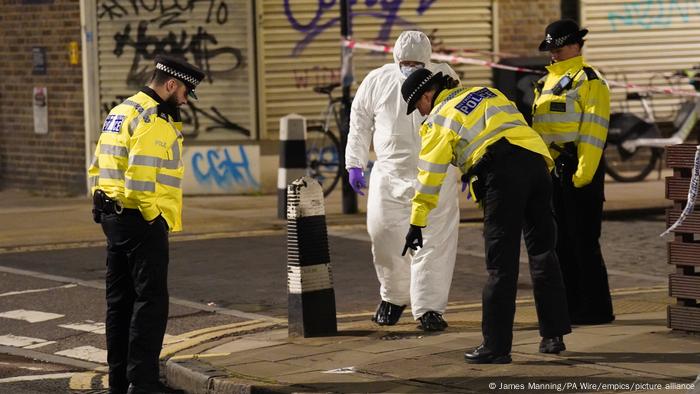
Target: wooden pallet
{"points": [[684, 250]]}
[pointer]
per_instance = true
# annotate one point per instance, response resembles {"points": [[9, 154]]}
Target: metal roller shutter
{"points": [[639, 41], [214, 35], [299, 46]]}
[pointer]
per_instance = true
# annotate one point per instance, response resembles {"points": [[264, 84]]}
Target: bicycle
{"points": [[635, 145], [322, 144]]}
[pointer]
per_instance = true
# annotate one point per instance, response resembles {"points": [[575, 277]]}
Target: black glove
{"points": [[449, 83], [414, 239]]}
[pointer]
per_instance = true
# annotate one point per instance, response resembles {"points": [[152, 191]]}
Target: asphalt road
{"points": [[247, 278]]}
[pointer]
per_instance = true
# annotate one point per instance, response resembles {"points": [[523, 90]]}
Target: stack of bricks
{"points": [[521, 24], [51, 164], [684, 250]]}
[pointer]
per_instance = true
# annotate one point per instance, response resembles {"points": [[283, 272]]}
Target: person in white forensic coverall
{"points": [[378, 116]]}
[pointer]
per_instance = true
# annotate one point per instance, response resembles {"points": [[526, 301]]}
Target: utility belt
{"points": [[475, 177], [103, 204]]}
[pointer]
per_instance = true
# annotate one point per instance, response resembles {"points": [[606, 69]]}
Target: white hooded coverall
{"points": [[379, 116]]}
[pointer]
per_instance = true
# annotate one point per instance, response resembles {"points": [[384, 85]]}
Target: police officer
{"points": [[571, 112], [136, 179], [507, 165]]}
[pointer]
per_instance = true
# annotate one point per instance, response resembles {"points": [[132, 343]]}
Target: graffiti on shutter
{"points": [[213, 35], [300, 45]]}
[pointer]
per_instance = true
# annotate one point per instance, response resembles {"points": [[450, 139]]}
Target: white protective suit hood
{"points": [[414, 46]]}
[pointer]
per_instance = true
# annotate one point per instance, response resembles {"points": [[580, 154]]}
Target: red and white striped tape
{"points": [[479, 62]]}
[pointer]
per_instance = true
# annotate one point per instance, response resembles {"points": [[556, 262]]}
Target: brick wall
{"points": [[51, 164], [521, 24]]}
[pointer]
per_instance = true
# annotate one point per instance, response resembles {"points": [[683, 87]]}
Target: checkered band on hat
{"points": [[177, 74], [560, 41], [418, 88]]}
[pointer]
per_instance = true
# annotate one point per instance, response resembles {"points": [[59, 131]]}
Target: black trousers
{"points": [[579, 214], [517, 200], [137, 297]]}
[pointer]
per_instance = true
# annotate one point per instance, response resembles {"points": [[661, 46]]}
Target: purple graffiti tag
{"points": [[317, 25]]}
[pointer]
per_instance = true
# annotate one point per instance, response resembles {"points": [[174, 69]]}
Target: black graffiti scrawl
{"points": [[153, 27]]}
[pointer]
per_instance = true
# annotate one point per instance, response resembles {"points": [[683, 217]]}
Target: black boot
{"points": [[484, 355], [554, 345], [432, 321], [388, 314]]}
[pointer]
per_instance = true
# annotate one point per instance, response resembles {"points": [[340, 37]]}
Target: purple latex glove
{"points": [[357, 180], [465, 186]]}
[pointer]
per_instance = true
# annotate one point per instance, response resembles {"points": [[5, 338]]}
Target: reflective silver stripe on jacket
{"points": [[141, 186], [434, 190], [448, 123], [432, 167], [110, 173], [593, 118], [134, 104], [145, 115], [558, 118], [589, 139], [560, 138], [173, 164], [444, 102], [168, 180], [142, 160], [114, 150], [93, 181], [474, 145], [492, 111]]}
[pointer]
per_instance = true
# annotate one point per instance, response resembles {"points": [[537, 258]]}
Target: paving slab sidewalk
{"points": [[637, 353]]}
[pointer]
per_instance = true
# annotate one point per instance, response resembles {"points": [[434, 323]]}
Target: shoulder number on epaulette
{"points": [[473, 100], [113, 124]]}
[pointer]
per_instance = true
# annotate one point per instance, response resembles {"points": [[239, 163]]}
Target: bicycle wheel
{"points": [[323, 158], [623, 166]]}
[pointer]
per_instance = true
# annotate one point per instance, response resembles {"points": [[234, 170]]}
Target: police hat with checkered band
{"points": [[415, 85], [188, 74], [560, 33]]}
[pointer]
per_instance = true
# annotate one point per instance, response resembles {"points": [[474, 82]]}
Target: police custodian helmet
{"points": [[178, 68]]}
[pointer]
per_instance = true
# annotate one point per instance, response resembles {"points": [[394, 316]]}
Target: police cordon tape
{"points": [[449, 50], [695, 179], [485, 63]]}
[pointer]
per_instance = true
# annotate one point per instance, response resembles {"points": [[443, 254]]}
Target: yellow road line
{"points": [[169, 350], [105, 381], [198, 356], [82, 381], [206, 330]]}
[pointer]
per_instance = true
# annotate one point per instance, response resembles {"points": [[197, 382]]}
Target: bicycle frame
{"points": [[678, 137]]}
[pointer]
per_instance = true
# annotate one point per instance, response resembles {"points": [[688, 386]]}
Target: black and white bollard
{"points": [[292, 157], [310, 291]]}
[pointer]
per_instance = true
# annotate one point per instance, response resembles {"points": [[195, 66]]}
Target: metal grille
{"points": [[641, 40], [216, 36], [300, 46]]}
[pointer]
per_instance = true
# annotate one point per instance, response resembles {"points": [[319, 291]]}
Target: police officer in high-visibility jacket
{"points": [[481, 132], [136, 179], [571, 112]]}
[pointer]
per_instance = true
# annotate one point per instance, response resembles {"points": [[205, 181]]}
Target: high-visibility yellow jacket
{"points": [[579, 114], [138, 159], [462, 124]]}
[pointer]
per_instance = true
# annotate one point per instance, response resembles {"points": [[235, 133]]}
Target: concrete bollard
{"points": [[292, 157], [310, 291]]}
